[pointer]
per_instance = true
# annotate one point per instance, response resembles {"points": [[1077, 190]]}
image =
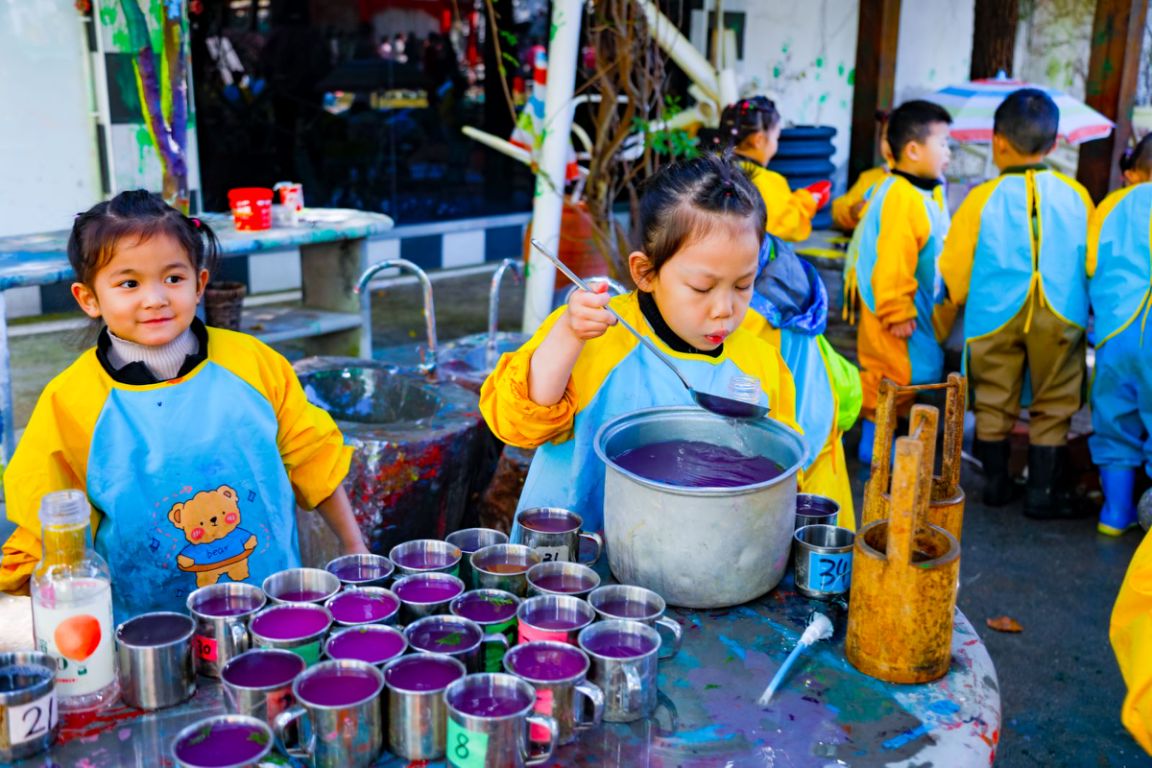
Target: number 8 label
{"points": [[829, 572], [466, 749]]}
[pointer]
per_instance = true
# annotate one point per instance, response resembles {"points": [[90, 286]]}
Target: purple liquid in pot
{"points": [[695, 464], [545, 523], [619, 645], [337, 687], [356, 607], [626, 609], [302, 595], [372, 646], [480, 702], [446, 637], [484, 609], [559, 622], [258, 669], [227, 605], [422, 673], [222, 744], [424, 559], [546, 663], [290, 622], [562, 582], [358, 572], [427, 591]]}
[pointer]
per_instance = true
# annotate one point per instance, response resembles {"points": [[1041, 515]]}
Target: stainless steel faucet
{"points": [[428, 364], [516, 267]]}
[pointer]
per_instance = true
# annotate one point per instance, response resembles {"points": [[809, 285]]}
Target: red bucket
{"points": [[251, 208]]}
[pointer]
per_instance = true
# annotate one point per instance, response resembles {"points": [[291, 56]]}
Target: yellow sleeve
{"points": [[789, 213], [510, 413], [1131, 635], [51, 456], [1096, 223], [904, 229], [842, 215], [960, 246]]}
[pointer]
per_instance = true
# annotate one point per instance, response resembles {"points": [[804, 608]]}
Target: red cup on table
{"points": [[251, 208]]}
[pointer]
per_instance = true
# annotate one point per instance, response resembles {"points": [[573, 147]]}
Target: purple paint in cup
{"points": [[480, 702], [262, 668], [422, 672], [374, 644], [365, 605], [546, 662], [227, 605], [620, 645], [290, 622], [222, 741], [486, 606], [337, 687], [427, 591]]}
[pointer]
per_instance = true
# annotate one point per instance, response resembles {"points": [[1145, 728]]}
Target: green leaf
{"points": [[452, 639], [258, 737]]}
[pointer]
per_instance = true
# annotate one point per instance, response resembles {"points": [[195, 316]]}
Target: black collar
{"points": [[918, 181], [665, 333], [1024, 168], [136, 372]]}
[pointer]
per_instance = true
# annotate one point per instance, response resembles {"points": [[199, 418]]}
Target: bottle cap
{"points": [[61, 508]]}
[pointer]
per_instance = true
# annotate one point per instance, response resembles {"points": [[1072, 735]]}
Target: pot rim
{"points": [[611, 428]]}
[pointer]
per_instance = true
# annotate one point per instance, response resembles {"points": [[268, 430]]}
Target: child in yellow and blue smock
{"points": [[193, 444], [1120, 289], [702, 224], [901, 236], [1015, 256], [848, 209]]}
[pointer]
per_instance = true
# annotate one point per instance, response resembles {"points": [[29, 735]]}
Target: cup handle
{"points": [[595, 539], [534, 752], [665, 716], [591, 695], [285, 724], [669, 646], [496, 638]]}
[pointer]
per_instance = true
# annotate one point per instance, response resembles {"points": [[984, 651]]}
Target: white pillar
{"points": [[563, 50]]}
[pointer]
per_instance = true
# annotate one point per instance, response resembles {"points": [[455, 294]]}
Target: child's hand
{"points": [[903, 330], [857, 209], [821, 192], [586, 316]]}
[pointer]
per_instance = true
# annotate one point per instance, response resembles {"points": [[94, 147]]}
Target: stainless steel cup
{"points": [[623, 601], [472, 540], [496, 736], [374, 643], [27, 704], [426, 594], [384, 611], [504, 566], [624, 660], [208, 742], [495, 611], [349, 734], [222, 612], [301, 585], [555, 534], [559, 618], [154, 656], [453, 636], [561, 578], [815, 510], [361, 570], [822, 556], [558, 672], [417, 716], [258, 683], [304, 635], [426, 556]]}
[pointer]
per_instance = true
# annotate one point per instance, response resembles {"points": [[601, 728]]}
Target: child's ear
{"points": [[201, 283], [640, 266], [86, 298]]}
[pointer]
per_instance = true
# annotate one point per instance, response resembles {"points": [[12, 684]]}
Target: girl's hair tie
{"points": [[195, 222]]}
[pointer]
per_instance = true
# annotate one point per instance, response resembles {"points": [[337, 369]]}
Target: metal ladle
{"points": [[718, 404]]}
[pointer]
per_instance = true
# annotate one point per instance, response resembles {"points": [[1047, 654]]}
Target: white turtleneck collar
{"points": [[164, 361]]}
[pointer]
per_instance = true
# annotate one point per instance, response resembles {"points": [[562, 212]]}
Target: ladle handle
{"points": [[585, 287]]}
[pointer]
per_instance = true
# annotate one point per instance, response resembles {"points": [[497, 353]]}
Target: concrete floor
{"points": [[1060, 685]]}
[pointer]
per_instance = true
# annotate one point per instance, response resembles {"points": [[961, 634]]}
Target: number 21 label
{"points": [[32, 720]]}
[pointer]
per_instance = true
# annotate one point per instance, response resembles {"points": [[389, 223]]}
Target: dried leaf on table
{"points": [[1004, 624]]}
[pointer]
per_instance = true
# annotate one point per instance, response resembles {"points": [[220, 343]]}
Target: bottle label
{"points": [[78, 634]]}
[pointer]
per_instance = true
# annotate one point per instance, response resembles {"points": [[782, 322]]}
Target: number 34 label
{"points": [[829, 572], [32, 720], [465, 748]]}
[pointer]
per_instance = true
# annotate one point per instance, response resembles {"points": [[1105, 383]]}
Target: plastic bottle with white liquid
{"points": [[72, 605]]}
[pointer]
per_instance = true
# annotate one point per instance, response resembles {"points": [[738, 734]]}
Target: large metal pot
{"points": [[699, 547]]}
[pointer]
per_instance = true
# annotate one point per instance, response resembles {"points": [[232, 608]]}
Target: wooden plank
{"points": [[877, 37], [1110, 88]]}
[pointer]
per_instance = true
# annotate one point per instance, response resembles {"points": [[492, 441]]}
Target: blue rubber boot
{"points": [[867, 438], [1119, 511]]}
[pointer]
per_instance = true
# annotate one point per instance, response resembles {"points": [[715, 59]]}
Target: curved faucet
{"points": [[516, 267], [428, 366]]}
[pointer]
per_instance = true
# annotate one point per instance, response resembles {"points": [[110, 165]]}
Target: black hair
{"points": [[913, 121], [1139, 157], [1028, 119], [740, 120], [140, 214], [683, 201]]}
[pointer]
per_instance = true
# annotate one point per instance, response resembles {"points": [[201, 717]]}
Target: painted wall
{"points": [[48, 163], [1053, 43], [935, 47]]}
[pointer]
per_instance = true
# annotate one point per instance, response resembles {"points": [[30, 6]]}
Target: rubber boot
{"points": [[1050, 496], [999, 488], [1119, 511], [867, 439]]}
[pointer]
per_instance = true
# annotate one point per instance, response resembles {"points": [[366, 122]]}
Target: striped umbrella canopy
{"points": [[973, 106]]}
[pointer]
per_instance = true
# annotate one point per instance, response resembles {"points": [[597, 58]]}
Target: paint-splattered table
{"points": [[333, 251], [825, 714]]}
